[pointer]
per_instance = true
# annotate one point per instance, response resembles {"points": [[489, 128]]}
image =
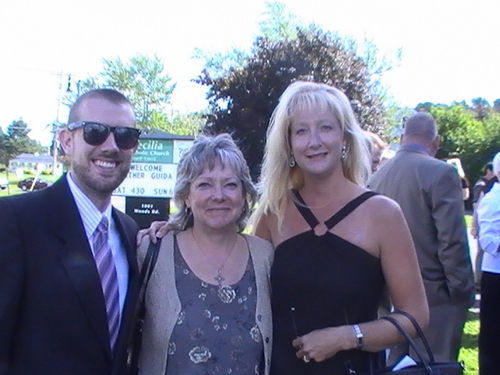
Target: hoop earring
{"points": [[344, 153], [292, 161]]}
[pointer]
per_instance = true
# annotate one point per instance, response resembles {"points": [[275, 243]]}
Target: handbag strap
{"points": [[140, 308], [420, 333], [148, 268], [414, 346]]}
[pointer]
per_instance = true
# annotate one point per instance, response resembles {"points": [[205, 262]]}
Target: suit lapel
{"points": [[77, 259]]}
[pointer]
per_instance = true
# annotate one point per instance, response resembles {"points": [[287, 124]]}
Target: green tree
{"points": [[481, 107], [496, 105], [464, 135], [242, 99], [181, 124], [141, 79], [3, 148], [16, 141], [279, 24], [395, 118], [187, 124]]}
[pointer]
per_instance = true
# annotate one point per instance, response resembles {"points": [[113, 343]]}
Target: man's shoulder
{"points": [[129, 224], [29, 199], [427, 165], [408, 161]]}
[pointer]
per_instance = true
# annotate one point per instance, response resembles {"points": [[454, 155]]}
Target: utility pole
{"points": [[55, 126]]}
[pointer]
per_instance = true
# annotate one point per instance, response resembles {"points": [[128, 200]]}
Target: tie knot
{"points": [[103, 225]]}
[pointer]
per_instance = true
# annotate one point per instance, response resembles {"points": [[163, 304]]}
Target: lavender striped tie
{"points": [[109, 280]]}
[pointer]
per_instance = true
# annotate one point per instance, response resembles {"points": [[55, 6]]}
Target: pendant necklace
{"points": [[225, 292]]}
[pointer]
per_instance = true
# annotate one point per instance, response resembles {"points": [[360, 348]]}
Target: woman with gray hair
{"points": [[207, 302]]}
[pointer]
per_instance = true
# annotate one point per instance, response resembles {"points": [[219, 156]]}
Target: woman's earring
{"points": [[292, 162], [343, 156]]}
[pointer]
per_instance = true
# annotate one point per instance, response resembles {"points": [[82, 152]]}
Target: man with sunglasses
{"points": [[68, 272]]}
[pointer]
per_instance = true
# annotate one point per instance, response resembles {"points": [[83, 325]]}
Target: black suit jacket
{"points": [[52, 312]]}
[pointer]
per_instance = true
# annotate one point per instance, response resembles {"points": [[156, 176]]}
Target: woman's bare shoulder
{"points": [[383, 207], [264, 227]]}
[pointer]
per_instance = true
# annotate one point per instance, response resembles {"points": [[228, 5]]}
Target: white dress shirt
{"points": [[488, 215], [91, 217]]}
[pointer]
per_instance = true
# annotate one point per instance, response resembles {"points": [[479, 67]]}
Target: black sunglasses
{"points": [[95, 134]]}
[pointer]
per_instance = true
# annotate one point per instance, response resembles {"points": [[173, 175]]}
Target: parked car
{"points": [[40, 183], [3, 183]]}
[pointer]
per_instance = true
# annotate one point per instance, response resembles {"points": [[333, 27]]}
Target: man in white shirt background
{"points": [[488, 216]]}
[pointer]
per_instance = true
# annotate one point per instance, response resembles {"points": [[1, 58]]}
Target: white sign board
{"points": [[149, 180], [180, 147]]}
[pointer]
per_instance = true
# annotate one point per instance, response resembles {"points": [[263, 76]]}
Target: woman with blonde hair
{"points": [[337, 245]]}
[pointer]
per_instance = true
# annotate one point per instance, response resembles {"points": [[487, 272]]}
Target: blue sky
{"points": [[450, 47]]}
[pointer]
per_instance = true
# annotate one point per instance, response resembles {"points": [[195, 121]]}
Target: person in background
{"points": [[484, 183], [68, 271], [488, 216], [429, 192], [376, 147], [208, 301], [482, 187], [464, 183], [337, 244]]}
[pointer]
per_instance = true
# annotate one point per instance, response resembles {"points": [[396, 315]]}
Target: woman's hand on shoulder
{"points": [[157, 229]]}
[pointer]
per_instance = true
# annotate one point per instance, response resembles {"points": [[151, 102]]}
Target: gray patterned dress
{"points": [[216, 332]]}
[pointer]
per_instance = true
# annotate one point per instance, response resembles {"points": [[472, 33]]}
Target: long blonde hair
{"points": [[277, 177]]}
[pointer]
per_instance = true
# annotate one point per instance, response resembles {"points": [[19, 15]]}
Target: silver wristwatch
{"points": [[359, 336]]}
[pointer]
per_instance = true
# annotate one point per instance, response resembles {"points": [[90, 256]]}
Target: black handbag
{"points": [[135, 337], [424, 366]]}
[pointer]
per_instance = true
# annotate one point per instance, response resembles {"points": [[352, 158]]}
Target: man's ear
{"points": [[437, 142], [66, 141]]}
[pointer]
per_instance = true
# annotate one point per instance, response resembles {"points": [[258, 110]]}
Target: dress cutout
{"points": [[328, 282]]}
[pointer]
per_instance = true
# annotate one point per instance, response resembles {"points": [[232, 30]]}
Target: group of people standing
{"points": [[299, 295]]}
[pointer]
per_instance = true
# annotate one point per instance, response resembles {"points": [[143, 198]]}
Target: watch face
{"points": [[359, 336]]}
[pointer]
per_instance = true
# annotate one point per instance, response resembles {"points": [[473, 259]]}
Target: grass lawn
{"points": [[468, 352], [13, 180], [468, 220]]}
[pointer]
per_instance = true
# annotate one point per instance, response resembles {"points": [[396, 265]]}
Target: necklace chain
{"points": [[313, 207], [218, 277]]}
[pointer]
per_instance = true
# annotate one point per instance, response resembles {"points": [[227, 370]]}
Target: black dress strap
{"points": [[348, 208], [304, 210], [337, 217]]}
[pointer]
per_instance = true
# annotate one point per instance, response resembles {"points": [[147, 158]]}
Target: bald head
{"points": [[420, 128], [109, 95], [421, 125]]}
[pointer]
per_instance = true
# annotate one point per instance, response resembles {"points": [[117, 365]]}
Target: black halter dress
{"points": [[327, 282]]}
